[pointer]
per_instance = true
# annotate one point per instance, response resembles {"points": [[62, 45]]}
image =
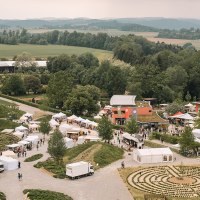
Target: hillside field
{"points": [[44, 51]]}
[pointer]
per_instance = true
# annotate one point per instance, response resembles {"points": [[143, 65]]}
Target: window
{"points": [[165, 158], [170, 158]]}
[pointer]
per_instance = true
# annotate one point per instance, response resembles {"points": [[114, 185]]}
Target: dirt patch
{"points": [[47, 172], [182, 180]]}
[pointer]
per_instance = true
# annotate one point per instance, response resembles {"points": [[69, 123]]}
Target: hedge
{"points": [[165, 137], [42, 107], [34, 194], [33, 158], [2, 196]]}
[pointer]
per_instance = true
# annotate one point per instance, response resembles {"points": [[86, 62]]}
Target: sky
{"points": [[26, 9]]}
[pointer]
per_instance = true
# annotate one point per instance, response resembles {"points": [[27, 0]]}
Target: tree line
{"points": [[188, 34]]}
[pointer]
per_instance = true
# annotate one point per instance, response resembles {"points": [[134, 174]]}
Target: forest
{"points": [[165, 72]]}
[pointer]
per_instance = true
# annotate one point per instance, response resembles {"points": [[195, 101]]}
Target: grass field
{"points": [[44, 51], [5, 103]]}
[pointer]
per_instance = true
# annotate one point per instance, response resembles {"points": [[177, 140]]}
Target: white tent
{"points": [[188, 105], [153, 155], [69, 143], [196, 133], [21, 129], [63, 128], [97, 117], [13, 147], [18, 134], [75, 129], [32, 138], [9, 163], [79, 119], [92, 138], [186, 116], [9, 153], [73, 117], [28, 115], [23, 142], [34, 127], [59, 116], [23, 119], [80, 140], [53, 123]]}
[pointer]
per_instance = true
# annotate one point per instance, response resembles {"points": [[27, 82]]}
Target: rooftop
{"points": [[122, 100]]}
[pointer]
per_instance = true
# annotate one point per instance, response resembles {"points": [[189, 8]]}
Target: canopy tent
{"points": [[9, 163], [153, 155], [23, 119], [97, 117], [136, 140], [81, 140], [21, 129], [59, 116], [75, 129], [33, 139], [188, 105], [18, 134], [196, 133], [92, 138], [28, 115], [72, 117], [79, 119], [11, 146], [177, 145], [63, 128], [34, 127], [53, 123], [176, 114], [69, 143], [9, 153], [23, 142], [186, 116]]}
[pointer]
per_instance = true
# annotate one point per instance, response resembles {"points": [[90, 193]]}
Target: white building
{"points": [[153, 155]]}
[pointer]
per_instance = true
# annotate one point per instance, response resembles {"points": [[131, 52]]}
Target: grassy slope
{"points": [[6, 139], [9, 51], [94, 152]]}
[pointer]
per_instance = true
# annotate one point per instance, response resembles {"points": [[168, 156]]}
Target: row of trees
{"points": [[188, 34]]}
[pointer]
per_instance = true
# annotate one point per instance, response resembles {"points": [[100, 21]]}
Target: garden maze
{"points": [[175, 181]]}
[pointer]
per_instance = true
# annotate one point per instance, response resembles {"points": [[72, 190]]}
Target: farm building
{"points": [[153, 155], [9, 66]]}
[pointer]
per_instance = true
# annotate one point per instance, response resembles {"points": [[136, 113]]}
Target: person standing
{"points": [[19, 176]]}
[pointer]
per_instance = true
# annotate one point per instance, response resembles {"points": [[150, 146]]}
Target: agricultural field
{"points": [[44, 51]]}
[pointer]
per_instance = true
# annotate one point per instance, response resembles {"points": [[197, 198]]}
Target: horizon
{"points": [[97, 10]]}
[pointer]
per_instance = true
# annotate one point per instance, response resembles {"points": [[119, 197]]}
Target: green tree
{"points": [[105, 129], [32, 83], [188, 97], [83, 99], [88, 60], [131, 126], [174, 107], [56, 146], [44, 127], [187, 141], [59, 87], [14, 85]]}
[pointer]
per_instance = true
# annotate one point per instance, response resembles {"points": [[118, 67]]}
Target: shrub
{"points": [[2, 196], [165, 137], [33, 158], [34, 194]]}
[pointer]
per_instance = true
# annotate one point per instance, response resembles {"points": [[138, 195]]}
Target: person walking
{"points": [[37, 147], [122, 165], [19, 175], [19, 164]]}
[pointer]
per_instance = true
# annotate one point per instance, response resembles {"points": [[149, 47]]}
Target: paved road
{"points": [[29, 109], [105, 184]]}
